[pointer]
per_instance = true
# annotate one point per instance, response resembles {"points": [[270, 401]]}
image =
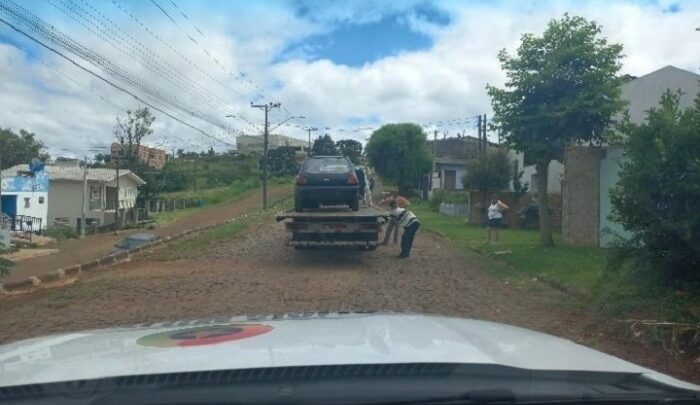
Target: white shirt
{"points": [[403, 216], [495, 211]]}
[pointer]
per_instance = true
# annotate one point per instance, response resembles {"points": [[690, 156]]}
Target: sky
{"points": [[348, 66]]}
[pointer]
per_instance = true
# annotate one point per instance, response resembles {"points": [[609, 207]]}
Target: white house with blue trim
{"points": [[26, 195]]}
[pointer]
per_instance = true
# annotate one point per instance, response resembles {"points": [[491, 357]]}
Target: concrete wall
{"points": [[555, 175], [645, 92], [581, 195], [460, 170], [66, 202]]}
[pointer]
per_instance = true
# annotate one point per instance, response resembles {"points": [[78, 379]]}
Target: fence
{"points": [[161, 205], [454, 210], [22, 226]]}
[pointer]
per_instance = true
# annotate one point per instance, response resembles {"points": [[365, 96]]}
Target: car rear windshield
{"points": [[326, 165]]}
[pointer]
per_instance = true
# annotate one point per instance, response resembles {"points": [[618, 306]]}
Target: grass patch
{"points": [[627, 291], [60, 233], [573, 268]]}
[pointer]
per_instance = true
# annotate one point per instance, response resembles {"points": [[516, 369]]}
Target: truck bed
{"points": [[333, 213]]}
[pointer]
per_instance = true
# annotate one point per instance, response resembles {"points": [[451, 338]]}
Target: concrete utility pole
{"points": [[2, 222], [267, 108], [118, 207], [432, 168], [83, 211], [311, 129]]}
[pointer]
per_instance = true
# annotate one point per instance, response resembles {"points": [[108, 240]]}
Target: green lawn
{"points": [[581, 270], [212, 196], [519, 254]]}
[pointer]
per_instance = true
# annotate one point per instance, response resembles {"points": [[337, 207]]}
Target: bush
{"points": [[657, 197], [448, 197], [60, 233]]}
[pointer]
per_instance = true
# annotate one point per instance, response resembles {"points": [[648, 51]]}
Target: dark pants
{"points": [[407, 238]]}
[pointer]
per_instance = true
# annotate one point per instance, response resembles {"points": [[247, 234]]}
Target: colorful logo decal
{"points": [[203, 335]]}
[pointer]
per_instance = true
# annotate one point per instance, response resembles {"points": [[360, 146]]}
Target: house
{"points": [[56, 194], [590, 172], [555, 173], [255, 143], [153, 157], [450, 157], [24, 195]]}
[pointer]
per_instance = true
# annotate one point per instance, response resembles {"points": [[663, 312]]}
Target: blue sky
{"points": [[343, 64]]}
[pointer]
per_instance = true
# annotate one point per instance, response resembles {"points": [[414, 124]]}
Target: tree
{"points": [[398, 152], [282, 161], [20, 148], [657, 196], [324, 146], [131, 131], [562, 88], [350, 148], [489, 173]]}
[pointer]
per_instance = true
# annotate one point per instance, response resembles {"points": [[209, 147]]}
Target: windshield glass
{"points": [[326, 165], [238, 185]]}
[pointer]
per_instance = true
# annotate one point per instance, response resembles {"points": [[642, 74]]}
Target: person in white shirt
{"points": [[495, 214], [410, 224]]}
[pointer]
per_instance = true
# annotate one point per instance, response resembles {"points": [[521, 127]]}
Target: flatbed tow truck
{"points": [[334, 226]]}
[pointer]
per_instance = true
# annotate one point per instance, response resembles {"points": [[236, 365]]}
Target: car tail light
{"points": [[352, 179], [301, 180]]}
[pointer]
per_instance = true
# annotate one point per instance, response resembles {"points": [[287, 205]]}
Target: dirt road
{"points": [[255, 273], [93, 247]]}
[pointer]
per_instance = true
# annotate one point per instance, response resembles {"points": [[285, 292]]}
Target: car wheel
{"points": [[355, 204]]}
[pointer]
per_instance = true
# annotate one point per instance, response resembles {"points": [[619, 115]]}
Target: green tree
{"points": [[657, 197], [398, 152], [20, 148], [324, 146], [282, 161], [131, 131], [350, 148], [487, 174], [562, 88]]}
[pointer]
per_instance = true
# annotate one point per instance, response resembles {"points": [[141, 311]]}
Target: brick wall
{"points": [[510, 217], [581, 192]]}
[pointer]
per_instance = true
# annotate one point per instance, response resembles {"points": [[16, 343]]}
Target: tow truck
{"points": [[334, 226]]}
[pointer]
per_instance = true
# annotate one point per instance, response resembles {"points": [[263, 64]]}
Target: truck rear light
{"points": [[301, 180], [352, 179]]}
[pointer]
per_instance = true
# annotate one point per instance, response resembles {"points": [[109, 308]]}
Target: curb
{"points": [[109, 261]]}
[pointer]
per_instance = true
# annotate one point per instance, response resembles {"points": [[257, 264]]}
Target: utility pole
{"points": [[267, 108], [432, 169], [478, 127], [483, 122], [310, 129], [83, 211], [118, 208]]}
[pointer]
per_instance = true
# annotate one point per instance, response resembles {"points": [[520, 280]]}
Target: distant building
{"points": [[55, 194], [450, 162], [254, 143], [153, 157]]}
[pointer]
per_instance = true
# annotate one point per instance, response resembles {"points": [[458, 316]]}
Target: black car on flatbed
{"points": [[326, 180]]}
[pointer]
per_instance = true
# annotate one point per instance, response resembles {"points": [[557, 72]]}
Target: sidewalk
{"points": [[75, 251]]}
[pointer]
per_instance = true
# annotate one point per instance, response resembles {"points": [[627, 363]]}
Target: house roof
{"points": [[75, 173]]}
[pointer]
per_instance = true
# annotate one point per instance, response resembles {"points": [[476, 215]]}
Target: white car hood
{"points": [[313, 339]]}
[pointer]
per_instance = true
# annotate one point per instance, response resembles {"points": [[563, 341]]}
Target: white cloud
{"points": [[443, 82]]}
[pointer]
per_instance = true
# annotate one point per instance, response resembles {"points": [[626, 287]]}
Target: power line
{"points": [[59, 53]]}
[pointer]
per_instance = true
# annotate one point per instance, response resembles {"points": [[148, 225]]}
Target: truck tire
{"points": [[355, 204], [298, 204]]}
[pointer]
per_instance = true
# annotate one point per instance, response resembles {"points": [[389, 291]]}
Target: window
{"points": [[41, 200], [26, 202], [94, 193]]}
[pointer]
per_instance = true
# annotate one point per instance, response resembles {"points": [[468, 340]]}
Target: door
{"points": [[9, 205], [450, 180]]}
